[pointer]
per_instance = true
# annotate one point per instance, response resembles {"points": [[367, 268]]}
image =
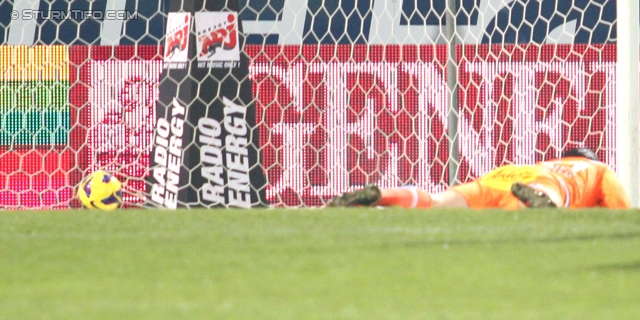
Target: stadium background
{"points": [[101, 83]]}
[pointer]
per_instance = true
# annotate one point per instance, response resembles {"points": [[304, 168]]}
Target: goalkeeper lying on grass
{"points": [[576, 180]]}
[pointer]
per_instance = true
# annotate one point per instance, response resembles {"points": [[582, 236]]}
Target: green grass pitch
{"points": [[320, 264]]}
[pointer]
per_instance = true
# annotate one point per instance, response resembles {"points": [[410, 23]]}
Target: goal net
{"points": [[287, 103], [418, 95]]}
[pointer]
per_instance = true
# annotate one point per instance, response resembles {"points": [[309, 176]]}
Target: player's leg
{"points": [[367, 196], [449, 199], [407, 197], [544, 193], [410, 197], [531, 197]]}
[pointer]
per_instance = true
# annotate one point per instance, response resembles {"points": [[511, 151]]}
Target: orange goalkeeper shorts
{"points": [[493, 190]]}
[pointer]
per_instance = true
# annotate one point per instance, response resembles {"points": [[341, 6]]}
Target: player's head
{"points": [[580, 152]]}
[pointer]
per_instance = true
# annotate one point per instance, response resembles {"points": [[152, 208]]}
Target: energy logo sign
{"points": [[218, 43], [176, 46]]}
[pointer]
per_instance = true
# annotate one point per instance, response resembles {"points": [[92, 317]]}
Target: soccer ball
{"points": [[100, 190]]}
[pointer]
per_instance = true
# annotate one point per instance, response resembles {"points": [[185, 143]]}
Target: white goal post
{"points": [[627, 98]]}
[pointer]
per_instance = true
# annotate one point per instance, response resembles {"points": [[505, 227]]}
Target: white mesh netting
{"points": [[343, 93]]}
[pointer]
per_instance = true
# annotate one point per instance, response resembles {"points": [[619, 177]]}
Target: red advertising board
{"points": [[522, 104], [113, 96], [335, 117], [34, 127]]}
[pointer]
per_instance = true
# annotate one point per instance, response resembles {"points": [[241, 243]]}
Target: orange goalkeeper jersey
{"points": [[580, 182], [573, 182], [588, 183]]}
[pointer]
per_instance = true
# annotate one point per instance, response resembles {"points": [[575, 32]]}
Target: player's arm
{"points": [[613, 194]]}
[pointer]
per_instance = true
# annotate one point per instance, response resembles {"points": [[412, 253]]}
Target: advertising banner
{"points": [[34, 115], [113, 98], [205, 152], [335, 117], [331, 118]]}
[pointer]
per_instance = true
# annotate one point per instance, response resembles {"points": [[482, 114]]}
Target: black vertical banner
{"points": [[206, 142]]}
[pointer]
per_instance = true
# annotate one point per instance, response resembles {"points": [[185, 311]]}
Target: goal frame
{"points": [[627, 98]]}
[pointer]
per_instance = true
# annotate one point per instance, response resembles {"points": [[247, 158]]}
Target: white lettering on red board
{"points": [[514, 86]]}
